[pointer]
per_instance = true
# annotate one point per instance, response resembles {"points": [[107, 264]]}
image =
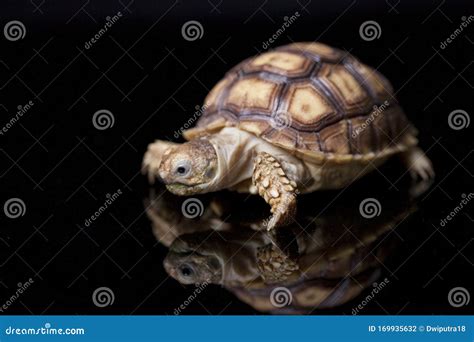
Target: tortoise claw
{"points": [[283, 213]]}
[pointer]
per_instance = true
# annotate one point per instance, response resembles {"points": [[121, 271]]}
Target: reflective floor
{"points": [[87, 234], [338, 251]]}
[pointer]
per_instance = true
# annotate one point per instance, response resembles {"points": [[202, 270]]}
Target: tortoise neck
{"points": [[235, 150]]}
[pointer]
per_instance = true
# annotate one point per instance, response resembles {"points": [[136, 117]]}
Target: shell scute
{"points": [[242, 96], [318, 51], [281, 63], [308, 106], [350, 94], [336, 139]]}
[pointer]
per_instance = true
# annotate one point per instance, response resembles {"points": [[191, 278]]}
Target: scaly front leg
{"points": [[275, 187]]}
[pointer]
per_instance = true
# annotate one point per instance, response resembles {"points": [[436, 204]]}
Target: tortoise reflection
{"points": [[322, 260]]}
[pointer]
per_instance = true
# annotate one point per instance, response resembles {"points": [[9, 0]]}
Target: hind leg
{"points": [[418, 164]]}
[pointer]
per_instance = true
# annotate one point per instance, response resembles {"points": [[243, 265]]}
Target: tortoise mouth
{"points": [[185, 189], [181, 247]]}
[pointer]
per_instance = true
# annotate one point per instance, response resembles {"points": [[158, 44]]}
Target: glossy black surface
{"points": [[151, 79]]}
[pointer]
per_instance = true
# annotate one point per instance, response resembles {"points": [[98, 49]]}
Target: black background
{"points": [[151, 79]]}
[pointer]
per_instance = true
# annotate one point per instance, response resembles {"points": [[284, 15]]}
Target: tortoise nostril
{"points": [[161, 175], [160, 179]]}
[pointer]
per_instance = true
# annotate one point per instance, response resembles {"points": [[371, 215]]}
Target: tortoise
{"points": [[296, 119]]}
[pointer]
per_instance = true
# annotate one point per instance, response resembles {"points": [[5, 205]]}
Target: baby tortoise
{"points": [[300, 118]]}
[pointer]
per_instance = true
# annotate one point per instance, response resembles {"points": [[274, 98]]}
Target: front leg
{"points": [[275, 187]]}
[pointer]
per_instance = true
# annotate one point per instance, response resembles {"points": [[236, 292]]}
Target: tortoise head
{"points": [[188, 168], [189, 264]]}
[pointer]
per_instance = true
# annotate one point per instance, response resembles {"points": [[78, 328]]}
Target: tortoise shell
{"points": [[309, 295], [311, 99]]}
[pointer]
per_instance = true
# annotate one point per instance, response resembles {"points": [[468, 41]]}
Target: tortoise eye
{"points": [[186, 270], [182, 169]]}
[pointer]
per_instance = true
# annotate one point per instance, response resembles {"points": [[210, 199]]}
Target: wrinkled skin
{"points": [[186, 169]]}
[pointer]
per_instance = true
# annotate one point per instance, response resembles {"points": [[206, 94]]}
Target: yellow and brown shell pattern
{"points": [[309, 98]]}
